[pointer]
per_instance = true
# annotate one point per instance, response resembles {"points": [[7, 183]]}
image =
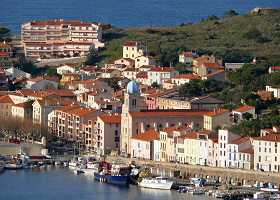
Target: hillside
{"points": [[210, 35]]}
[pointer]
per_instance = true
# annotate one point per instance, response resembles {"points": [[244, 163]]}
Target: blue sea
{"points": [[122, 13]]}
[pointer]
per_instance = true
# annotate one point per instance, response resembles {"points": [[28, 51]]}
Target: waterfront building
{"points": [[134, 49], [60, 37], [135, 120], [88, 133], [238, 112], [146, 145], [107, 133], [218, 117], [194, 147], [186, 57], [42, 108], [224, 138]]}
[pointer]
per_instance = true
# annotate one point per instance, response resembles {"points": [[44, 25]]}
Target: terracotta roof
{"points": [[240, 140], [202, 57], [243, 108], [67, 107], [151, 91], [113, 119], [252, 63], [215, 140], [87, 81], [211, 114], [169, 113], [94, 93], [75, 75], [214, 73], [20, 105], [131, 70], [194, 135], [81, 111], [35, 80], [273, 137], [175, 128], [249, 151], [149, 66], [133, 44], [147, 136], [275, 67], [187, 76], [160, 93], [161, 69], [106, 70], [129, 60], [3, 54], [55, 102], [212, 65], [142, 75], [187, 54], [6, 99]]}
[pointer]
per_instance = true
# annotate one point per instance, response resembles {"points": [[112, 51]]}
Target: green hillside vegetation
{"points": [[236, 38]]}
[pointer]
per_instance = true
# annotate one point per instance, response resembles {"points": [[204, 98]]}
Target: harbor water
{"points": [[123, 13], [60, 183]]}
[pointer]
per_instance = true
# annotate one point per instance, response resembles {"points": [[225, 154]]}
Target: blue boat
{"points": [[112, 178]]}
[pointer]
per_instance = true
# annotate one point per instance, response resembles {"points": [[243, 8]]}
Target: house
{"points": [[218, 117], [146, 145], [130, 73], [186, 58], [135, 120], [274, 69], [125, 62], [224, 138], [207, 68], [206, 102], [142, 77], [40, 84], [238, 112], [21, 110], [97, 97], [275, 91], [66, 69], [151, 99], [66, 78], [172, 101], [109, 73], [217, 75], [145, 60], [160, 74], [6, 104], [184, 78], [233, 66], [134, 49], [205, 59], [108, 130], [41, 109], [13, 73]]}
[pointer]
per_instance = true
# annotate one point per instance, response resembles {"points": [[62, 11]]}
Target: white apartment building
{"points": [[161, 74]]}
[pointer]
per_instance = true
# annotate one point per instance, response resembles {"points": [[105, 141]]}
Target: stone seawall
{"points": [[247, 177]]}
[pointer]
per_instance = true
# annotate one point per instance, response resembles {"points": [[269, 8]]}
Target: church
{"points": [[135, 121]]}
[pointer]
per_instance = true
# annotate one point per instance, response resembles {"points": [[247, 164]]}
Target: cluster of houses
{"points": [[136, 119]]}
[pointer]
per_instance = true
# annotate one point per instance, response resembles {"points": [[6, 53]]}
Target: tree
{"points": [[28, 67], [216, 128], [90, 60], [10, 86], [230, 13], [247, 116], [51, 72], [213, 17], [155, 85]]}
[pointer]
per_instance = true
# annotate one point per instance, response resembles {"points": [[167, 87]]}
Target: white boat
{"points": [[13, 166], [198, 191], [156, 183], [258, 196], [219, 194], [269, 189], [73, 164]]}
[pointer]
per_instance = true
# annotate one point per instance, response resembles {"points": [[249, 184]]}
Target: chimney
{"points": [[215, 112]]}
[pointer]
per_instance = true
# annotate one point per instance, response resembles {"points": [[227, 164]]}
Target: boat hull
{"points": [[161, 186], [13, 166], [111, 178]]}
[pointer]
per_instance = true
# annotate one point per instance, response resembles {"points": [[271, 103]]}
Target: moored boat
{"points": [[2, 166], [13, 166], [156, 183]]}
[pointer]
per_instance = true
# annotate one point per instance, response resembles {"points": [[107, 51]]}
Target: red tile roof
{"points": [[35, 80], [161, 69], [2, 44], [272, 137], [211, 114], [214, 73], [111, 119], [249, 151], [187, 54], [187, 76], [20, 105], [3, 54], [129, 60], [243, 108], [147, 136], [133, 44], [169, 113], [194, 135], [202, 57], [67, 107], [81, 111], [142, 75], [212, 65], [240, 140], [131, 70], [6, 99], [275, 67]]}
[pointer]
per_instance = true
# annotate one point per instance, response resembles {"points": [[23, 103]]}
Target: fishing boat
{"points": [[198, 191], [117, 174], [13, 166], [29, 166], [89, 168], [156, 183], [197, 181]]}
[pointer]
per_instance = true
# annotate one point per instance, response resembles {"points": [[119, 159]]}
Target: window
{"points": [[117, 125], [260, 149], [116, 132], [275, 158], [260, 159]]}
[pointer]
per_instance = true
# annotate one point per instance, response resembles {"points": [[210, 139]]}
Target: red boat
{"points": [[37, 157]]}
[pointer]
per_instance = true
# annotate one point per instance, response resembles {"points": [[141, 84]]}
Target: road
{"points": [[57, 62]]}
